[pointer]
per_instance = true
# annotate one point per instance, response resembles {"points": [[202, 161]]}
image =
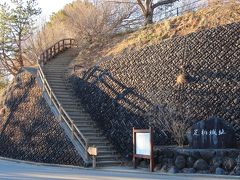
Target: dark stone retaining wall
{"points": [[119, 92], [204, 161], [29, 130]]}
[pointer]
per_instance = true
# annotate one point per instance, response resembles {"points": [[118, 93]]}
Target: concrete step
{"points": [[106, 152], [85, 125], [55, 70], [53, 80], [78, 114], [77, 111], [110, 152], [55, 67], [67, 102], [73, 105], [58, 87], [107, 158], [107, 163], [97, 138], [56, 78], [49, 76], [55, 73], [65, 96], [98, 143], [62, 93], [52, 64], [80, 123], [62, 90], [104, 148], [89, 130], [80, 117], [92, 134]]}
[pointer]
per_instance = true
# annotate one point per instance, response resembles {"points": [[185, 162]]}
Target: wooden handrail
{"points": [[46, 56], [55, 49]]}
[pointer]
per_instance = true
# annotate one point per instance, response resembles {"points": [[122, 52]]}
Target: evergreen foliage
{"points": [[17, 23]]}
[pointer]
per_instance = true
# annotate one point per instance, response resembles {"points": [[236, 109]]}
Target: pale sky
{"points": [[48, 6]]}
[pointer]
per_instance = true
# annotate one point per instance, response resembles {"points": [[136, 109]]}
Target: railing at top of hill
{"points": [[47, 55], [55, 49], [180, 9], [168, 11]]}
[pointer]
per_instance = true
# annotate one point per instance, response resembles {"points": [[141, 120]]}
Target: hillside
{"points": [[206, 18], [212, 16], [126, 91], [138, 72], [29, 130]]}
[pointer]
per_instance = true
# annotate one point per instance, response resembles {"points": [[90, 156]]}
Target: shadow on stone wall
{"points": [[113, 107], [29, 130], [210, 61]]}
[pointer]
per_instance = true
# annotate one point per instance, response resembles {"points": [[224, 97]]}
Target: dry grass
{"points": [[215, 15], [205, 18], [181, 79]]}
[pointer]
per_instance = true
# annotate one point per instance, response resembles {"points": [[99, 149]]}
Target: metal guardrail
{"points": [[47, 55], [186, 7]]}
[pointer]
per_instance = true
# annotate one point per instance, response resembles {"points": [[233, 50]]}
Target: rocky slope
{"points": [[29, 131]]}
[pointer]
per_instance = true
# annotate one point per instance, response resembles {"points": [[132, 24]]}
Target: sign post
{"points": [[143, 145], [93, 152]]}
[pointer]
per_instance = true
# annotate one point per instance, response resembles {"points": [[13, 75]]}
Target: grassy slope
{"points": [[205, 18]]}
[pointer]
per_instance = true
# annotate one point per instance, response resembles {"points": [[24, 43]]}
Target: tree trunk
{"points": [[20, 56], [148, 19]]}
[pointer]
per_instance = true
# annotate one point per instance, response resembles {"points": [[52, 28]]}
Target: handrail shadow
{"points": [[115, 107], [97, 75]]}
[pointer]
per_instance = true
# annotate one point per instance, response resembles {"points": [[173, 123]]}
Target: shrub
{"points": [[173, 119]]}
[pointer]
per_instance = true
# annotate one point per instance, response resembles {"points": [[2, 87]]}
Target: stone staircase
{"points": [[55, 71]]}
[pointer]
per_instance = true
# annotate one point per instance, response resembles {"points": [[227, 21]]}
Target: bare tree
{"points": [[44, 37], [148, 6], [93, 22]]}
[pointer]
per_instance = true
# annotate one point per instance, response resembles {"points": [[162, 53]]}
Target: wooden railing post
{"points": [[58, 46], [50, 96], [60, 114], [43, 86], [43, 57], [50, 54], [47, 55], [54, 50], [63, 44], [72, 126], [86, 151]]}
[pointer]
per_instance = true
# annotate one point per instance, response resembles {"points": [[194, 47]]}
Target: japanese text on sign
{"points": [[212, 132]]}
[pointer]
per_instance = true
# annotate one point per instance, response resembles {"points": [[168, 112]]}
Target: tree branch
{"points": [[141, 6], [162, 2]]}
